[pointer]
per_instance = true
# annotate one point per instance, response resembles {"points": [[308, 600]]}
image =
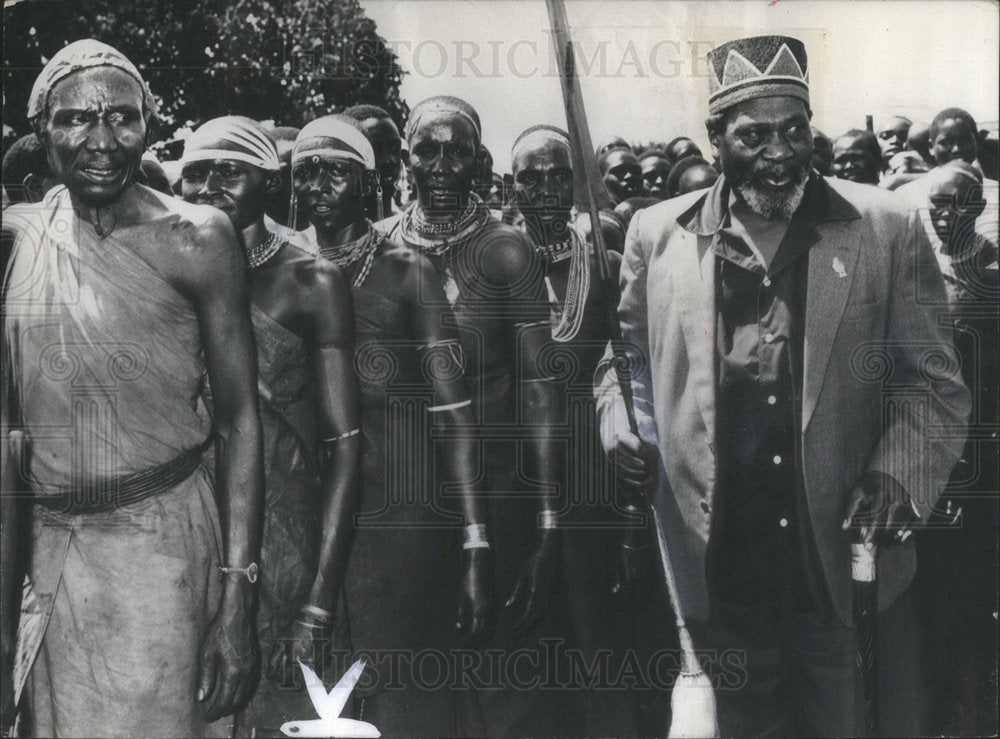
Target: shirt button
{"points": [[771, 400], [777, 459], [767, 282], [768, 337], [705, 507], [783, 523]]}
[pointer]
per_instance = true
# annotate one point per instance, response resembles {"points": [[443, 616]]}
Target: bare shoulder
{"points": [[201, 228], [315, 276], [504, 250], [402, 261], [194, 246]]}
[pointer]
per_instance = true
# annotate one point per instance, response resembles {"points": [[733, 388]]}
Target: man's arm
{"points": [[213, 274], [331, 336], [632, 454], [538, 403], [635, 457], [921, 441], [440, 352]]}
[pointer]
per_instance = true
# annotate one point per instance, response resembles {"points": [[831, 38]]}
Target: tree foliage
{"points": [[286, 60]]}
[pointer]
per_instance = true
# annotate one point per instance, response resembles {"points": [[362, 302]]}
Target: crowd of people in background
{"points": [[404, 299], [890, 155]]}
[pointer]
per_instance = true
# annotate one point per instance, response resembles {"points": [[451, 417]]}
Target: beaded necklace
{"points": [[569, 316], [438, 237], [258, 255], [360, 250]]}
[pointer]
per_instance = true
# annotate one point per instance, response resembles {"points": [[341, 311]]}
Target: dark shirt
{"points": [[758, 537]]}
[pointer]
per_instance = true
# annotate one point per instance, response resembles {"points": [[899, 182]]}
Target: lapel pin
{"points": [[838, 267]]}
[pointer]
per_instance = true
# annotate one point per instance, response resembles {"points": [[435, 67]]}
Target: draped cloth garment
{"points": [[107, 365], [294, 513]]}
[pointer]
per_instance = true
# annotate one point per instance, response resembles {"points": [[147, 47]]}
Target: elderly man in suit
{"points": [[794, 389]]}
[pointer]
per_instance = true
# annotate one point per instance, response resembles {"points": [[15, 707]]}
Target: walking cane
{"points": [[692, 700], [865, 591]]}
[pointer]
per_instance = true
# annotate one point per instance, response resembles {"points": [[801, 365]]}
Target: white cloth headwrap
{"points": [[440, 106], [79, 55], [336, 138], [249, 144], [537, 137]]}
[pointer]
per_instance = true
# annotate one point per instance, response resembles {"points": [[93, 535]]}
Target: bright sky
{"points": [[642, 64]]}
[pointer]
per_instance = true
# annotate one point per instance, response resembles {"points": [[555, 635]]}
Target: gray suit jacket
{"points": [[882, 389]]}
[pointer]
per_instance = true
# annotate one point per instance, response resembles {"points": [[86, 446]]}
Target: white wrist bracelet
{"points": [[547, 519], [475, 537]]}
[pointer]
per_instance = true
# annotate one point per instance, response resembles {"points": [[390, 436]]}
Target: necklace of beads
{"points": [[361, 250], [568, 317], [438, 237], [258, 255]]}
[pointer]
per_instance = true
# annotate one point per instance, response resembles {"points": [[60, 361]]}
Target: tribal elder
{"points": [[495, 284], [120, 298], [756, 308], [590, 537], [411, 584], [300, 308]]}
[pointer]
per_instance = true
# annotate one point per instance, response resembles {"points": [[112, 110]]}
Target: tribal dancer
{"points": [[590, 527], [495, 283], [119, 299], [300, 307], [406, 578]]}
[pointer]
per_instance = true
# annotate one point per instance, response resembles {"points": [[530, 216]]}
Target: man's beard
{"points": [[770, 203]]}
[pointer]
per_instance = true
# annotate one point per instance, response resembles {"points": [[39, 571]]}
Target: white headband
{"points": [[80, 55], [336, 138], [538, 136], [436, 107], [252, 146]]}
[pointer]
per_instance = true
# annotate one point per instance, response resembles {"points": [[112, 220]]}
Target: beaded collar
{"points": [[262, 252], [360, 251], [436, 237]]}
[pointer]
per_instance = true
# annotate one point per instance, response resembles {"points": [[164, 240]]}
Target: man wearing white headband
{"points": [[407, 570], [120, 299], [496, 285], [300, 307]]}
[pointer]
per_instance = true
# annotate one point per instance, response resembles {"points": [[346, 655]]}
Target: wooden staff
{"points": [[692, 700]]}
